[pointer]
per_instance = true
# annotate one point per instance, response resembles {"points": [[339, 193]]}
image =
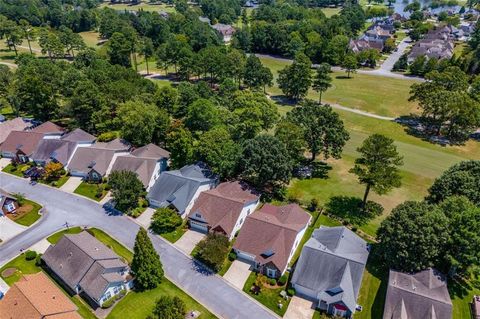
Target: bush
{"points": [[99, 192], [313, 205], [38, 260], [107, 304], [143, 202], [30, 255], [213, 250], [232, 256], [272, 282], [283, 280], [354, 229], [373, 208], [291, 291], [136, 212], [165, 220], [107, 136]]}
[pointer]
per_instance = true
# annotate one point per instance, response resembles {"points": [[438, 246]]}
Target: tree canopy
{"points": [[146, 265]]}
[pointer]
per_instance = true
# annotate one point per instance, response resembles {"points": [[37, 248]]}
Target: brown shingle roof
{"points": [[115, 145], [36, 296], [144, 167], [272, 228], [221, 207], [86, 158], [78, 135], [151, 151], [25, 141], [17, 124], [48, 128]]}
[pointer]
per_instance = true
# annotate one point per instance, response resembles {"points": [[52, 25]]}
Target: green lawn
{"points": [[331, 11], [91, 38], [462, 293], [176, 234], [142, 6], [90, 191], [15, 170], [270, 298], [58, 183], [111, 243], [138, 305], [32, 216], [53, 239]]}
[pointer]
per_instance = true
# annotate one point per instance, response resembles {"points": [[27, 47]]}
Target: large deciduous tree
{"points": [[180, 145], [119, 49], [377, 167], [167, 307], [165, 220], [126, 189], [322, 80], [295, 79], [137, 121], [146, 265]]}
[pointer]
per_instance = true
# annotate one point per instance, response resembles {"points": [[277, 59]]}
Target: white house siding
{"points": [[298, 238], [110, 292], [202, 188], [247, 210]]}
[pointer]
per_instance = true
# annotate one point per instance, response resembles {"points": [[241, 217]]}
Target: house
{"points": [[17, 124], [363, 44], [91, 163], [8, 203], [225, 30], [270, 236], [118, 145], [423, 295], [20, 145], [223, 209], [49, 130], [437, 43], [330, 269], [88, 267], [180, 188], [476, 307], [380, 31], [35, 296], [80, 137]]}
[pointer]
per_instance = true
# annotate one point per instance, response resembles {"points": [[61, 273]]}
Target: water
{"points": [[400, 5]]}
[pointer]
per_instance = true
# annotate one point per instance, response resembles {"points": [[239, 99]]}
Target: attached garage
{"points": [[198, 226], [244, 256]]}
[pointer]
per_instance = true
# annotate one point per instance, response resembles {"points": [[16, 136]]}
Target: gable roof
{"points": [[151, 151], [222, 206], [58, 149], [87, 158], [78, 135], [143, 167], [272, 229], [4, 195], [178, 187], [26, 141], [115, 145], [36, 296], [423, 295], [49, 128], [16, 124], [331, 264]]}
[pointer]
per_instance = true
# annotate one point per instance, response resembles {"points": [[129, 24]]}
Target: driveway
{"points": [[210, 290], [238, 273], [9, 228], [146, 218], [189, 240], [4, 162], [299, 308], [71, 185]]}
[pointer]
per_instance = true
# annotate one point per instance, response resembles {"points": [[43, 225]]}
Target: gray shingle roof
{"points": [[423, 295], [78, 135], [143, 167], [151, 151], [87, 158], [333, 258], [178, 187], [54, 148]]}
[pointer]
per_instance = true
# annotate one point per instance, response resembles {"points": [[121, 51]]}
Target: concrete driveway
{"points": [[71, 185], [189, 240], [146, 218], [238, 273], [4, 162], [299, 308], [9, 228]]}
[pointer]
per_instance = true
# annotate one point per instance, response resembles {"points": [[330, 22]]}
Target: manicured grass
{"points": [[270, 298], [111, 243], [83, 309], [138, 305], [176, 234], [462, 292], [89, 190], [331, 11], [53, 239], [91, 38], [142, 6], [58, 183], [14, 170], [30, 217]]}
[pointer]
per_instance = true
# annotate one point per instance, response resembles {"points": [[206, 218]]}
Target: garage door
{"points": [[198, 226], [245, 256]]}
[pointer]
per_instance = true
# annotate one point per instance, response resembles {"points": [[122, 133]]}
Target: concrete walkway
{"points": [[189, 240], [4, 162], [9, 229], [299, 308], [238, 273], [71, 185], [146, 218], [41, 246]]}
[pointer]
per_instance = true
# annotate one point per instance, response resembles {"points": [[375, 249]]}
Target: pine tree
{"points": [[146, 265]]}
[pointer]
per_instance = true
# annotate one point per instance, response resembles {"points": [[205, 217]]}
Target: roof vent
{"points": [[96, 249], [268, 253]]}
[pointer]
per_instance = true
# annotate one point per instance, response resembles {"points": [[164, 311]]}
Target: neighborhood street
{"points": [[210, 290]]}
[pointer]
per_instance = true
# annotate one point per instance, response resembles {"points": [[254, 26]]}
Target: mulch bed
{"points": [[9, 272], [21, 211]]}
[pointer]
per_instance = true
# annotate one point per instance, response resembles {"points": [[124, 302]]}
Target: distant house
{"points": [[88, 267], [363, 44], [423, 295], [37, 297], [8, 203], [476, 307], [118, 145], [91, 163], [20, 145], [17, 124], [223, 209], [330, 269], [180, 188], [437, 43], [49, 130], [225, 30], [269, 237]]}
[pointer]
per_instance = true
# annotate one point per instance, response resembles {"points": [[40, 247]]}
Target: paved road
{"points": [[210, 290]]}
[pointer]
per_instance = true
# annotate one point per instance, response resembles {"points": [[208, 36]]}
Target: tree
{"points": [[126, 189], [377, 167], [70, 40], [202, 115], [389, 45], [137, 121], [412, 236], [51, 44], [165, 220], [180, 145], [292, 136], [418, 65], [350, 64], [119, 49], [85, 100], [265, 162], [147, 50], [295, 79], [323, 130], [53, 171], [28, 33], [167, 307], [212, 250], [322, 80], [462, 179], [256, 75], [146, 265]]}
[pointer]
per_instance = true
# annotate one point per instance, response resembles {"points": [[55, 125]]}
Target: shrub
{"points": [[354, 229], [313, 205], [30, 255], [136, 212], [232, 256], [142, 202], [107, 136], [212, 250], [99, 191], [169, 307], [272, 282], [283, 280], [373, 208], [165, 220], [291, 291], [107, 304], [38, 260]]}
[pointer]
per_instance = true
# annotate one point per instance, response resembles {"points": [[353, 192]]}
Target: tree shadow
{"points": [[378, 270], [349, 208], [459, 287], [343, 77], [283, 100]]}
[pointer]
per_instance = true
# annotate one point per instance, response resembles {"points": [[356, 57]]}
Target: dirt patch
{"points": [[21, 211], [9, 272]]}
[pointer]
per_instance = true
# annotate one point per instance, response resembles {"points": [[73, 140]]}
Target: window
{"points": [[108, 295], [241, 221], [10, 207], [198, 215], [271, 272]]}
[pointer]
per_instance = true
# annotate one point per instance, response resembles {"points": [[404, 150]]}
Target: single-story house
{"points": [[270, 236], [49, 130], [180, 188], [8, 203], [118, 145], [223, 209], [80, 137], [20, 145], [88, 267], [225, 30], [35, 296], [155, 152], [145, 168], [330, 269], [16, 124], [423, 295], [437, 43], [92, 163]]}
